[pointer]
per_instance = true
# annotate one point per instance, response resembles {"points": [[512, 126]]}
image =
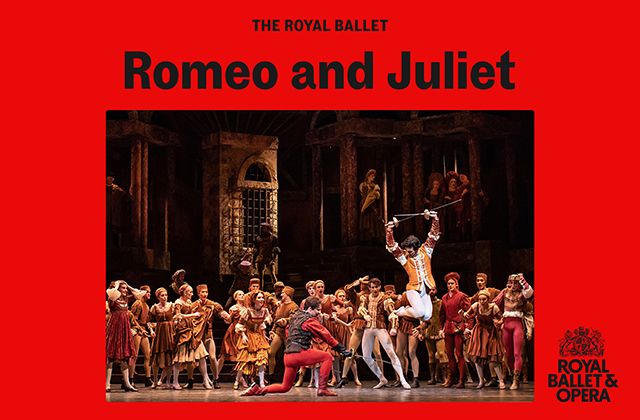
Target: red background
{"points": [[63, 68]]}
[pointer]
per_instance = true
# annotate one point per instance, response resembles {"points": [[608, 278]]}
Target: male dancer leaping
{"points": [[416, 261]]}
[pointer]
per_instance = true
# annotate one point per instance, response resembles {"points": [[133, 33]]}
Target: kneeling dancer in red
{"points": [[298, 352]]}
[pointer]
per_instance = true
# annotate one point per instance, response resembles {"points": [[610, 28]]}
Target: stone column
{"points": [[170, 185], [418, 188], [474, 179], [144, 194], [211, 202], [512, 191], [316, 197], [136, 192], [348, 190], [407, 186]]}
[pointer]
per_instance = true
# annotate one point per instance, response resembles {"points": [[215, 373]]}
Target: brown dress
{"points": [[188, 349], [341, 332], [255, 352], [229, 348], [316, 342], [485, 345], [162, 347]]}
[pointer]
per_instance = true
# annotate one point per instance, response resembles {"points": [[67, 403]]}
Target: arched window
{"points": [[255, 204]]}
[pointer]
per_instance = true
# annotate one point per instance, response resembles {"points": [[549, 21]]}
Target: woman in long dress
{"points": [[119, 333], [162, 347], [229, 348], [253, 346], [183, 336], [342, 317], [485, 345]]}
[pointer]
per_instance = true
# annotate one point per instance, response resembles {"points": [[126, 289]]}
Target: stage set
{"points": [[216, 198]]}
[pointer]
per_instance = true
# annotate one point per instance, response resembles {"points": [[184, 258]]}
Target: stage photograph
{"points": [[332, 256]]}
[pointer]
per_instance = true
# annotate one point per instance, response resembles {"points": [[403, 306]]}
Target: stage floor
{"points": [[350, 393]]}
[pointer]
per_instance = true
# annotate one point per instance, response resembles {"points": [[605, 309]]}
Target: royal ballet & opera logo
{"points": [[582, 374]]}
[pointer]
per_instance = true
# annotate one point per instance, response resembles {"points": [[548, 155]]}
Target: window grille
{"points": [[256, 205]]}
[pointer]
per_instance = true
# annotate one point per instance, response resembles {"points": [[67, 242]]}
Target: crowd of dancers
{"points": [[323, 334]]}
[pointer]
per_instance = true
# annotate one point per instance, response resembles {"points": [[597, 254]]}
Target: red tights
{"points": [[292, 361], [512, 336], [453, 342]]}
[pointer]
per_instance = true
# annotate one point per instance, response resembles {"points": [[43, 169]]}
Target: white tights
{"points": [[370, 334], [420, 308]]}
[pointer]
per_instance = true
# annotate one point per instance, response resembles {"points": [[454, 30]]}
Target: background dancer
{"points": [[140, 311], [358, 325], [512, 301], [452, 327], [162, 348], [119, 332], [375, 308], [281, 319], [203, 326]]}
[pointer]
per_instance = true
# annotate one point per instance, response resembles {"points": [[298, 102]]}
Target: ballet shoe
{"points": [[358, 383], [405, 385], [132, 389], [216, 385], [236, 386], [415, 383], [189, 384], [108, 389], [177, 387], [148, 382], [480, 385], [207, 385], [381, 384]]}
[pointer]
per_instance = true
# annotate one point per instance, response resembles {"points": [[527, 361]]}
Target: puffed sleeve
{"points": [[138, 294], [114, 294]]}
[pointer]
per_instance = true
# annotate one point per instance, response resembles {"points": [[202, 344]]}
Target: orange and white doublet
{"points": [[418, 269]]}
